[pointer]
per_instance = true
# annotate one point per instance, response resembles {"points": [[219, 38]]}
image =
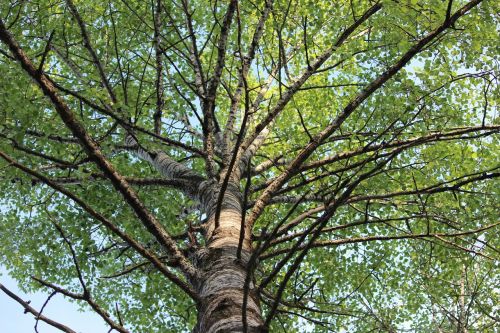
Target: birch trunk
{"points": [[221, 283]]}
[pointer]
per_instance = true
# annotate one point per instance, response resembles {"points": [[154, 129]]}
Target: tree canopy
{"points": [[357, 142]]}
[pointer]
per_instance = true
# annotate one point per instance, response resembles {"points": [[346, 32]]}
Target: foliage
{"points": [[411, 170]]}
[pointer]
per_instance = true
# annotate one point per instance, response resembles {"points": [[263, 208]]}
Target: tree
{"points": [[238, 166]]}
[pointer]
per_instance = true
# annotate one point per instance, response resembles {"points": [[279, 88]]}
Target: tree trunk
{"points": [[221, 284]]}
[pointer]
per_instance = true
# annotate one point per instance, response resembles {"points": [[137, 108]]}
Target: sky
{"points": [[13, 319]]}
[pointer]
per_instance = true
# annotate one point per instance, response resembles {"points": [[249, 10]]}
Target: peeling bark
{"points": [[222, 273], [221, 291]]}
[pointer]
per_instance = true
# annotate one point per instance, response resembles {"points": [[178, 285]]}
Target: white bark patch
{"points": [[167, 167], [235, 296], [228, 233], [234, 323], [227, 278]]}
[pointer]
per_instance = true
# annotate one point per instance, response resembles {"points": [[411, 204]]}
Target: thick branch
{"points": [[209, 119], [94, 152], [294, 166], [109, 225], [160, 102]]}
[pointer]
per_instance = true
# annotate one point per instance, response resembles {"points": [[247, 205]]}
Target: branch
{"points": [[355, 102], [346, 155], [336, 242], [52, 137], [221, 52], [160, 101], [289, 237], [58, 161], [167, 167], [320, 60], [209, 119], [436, 188], [73, 253], [177, 184], [88, 46], [88, 299], [246, 62], [126, 124], [38, 315], [453, 134], [109, 225], [94, 152], [128, 269], [315, 231], [194, 54]]}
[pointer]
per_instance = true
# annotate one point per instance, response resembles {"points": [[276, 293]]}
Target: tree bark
{"points": [[223, 274]]}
